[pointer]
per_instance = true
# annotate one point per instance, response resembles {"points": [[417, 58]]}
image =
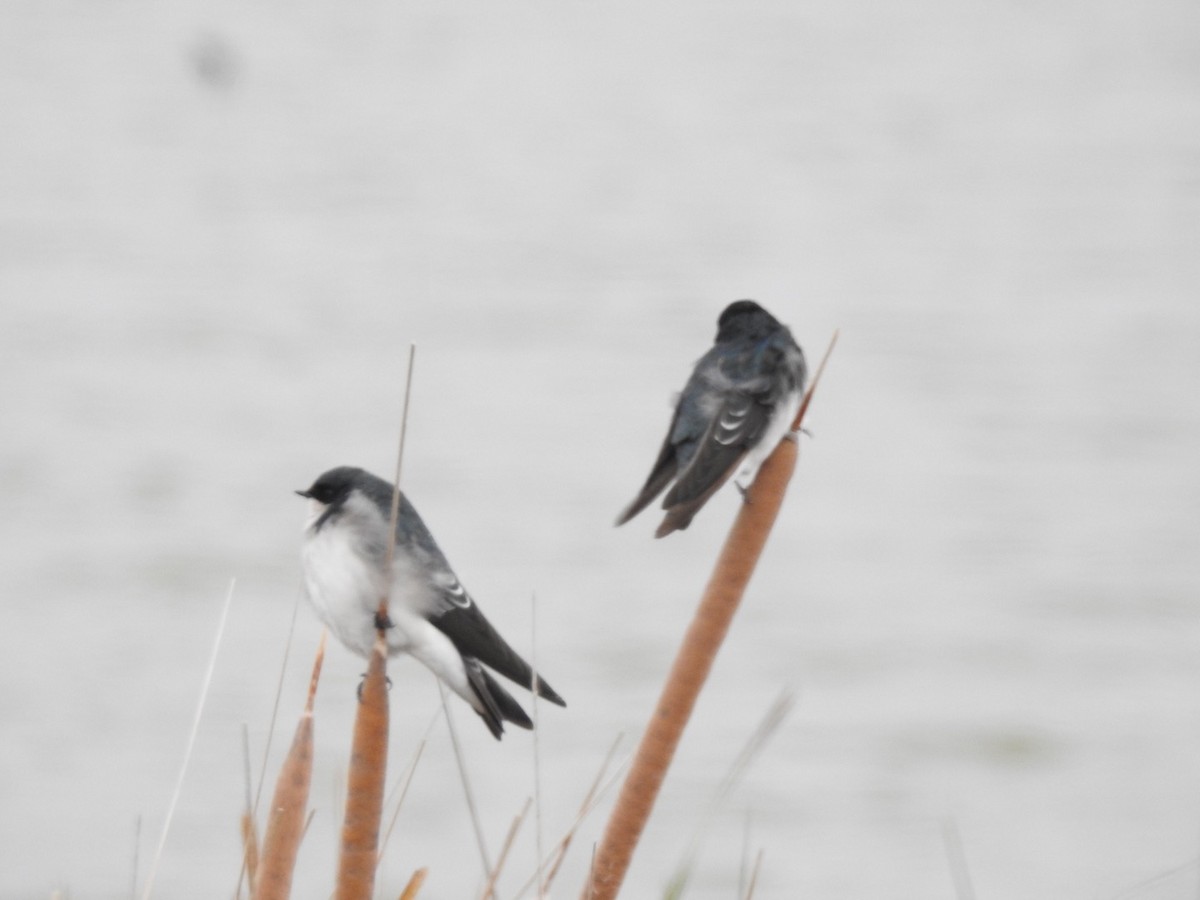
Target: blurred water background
{"points": [[222, 224]]}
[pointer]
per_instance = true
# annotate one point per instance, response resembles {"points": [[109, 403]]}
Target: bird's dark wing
{"points": [[661, 473], [688, 424], [459, 618], [737, 424]]}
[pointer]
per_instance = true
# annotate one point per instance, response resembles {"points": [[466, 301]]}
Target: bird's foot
{"points": [[744, 491], [383, 621], [364, 681], [794, 436]]}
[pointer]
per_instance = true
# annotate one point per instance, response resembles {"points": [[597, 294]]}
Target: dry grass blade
{"points": [[287, 652], [489, 889], [600, 787], [963, 889], [248, 826], [1170, 877], [395, 512], [262, 775], [286, 819], [191, 743], [816, 380], [753, 877], [414, 884], [364, 789], [401, 790], [249, 848], [757, 740], [589, 802], [535, 688], [745, 865], [137, 846], [248, 781], [466, 781], [694, 660]]}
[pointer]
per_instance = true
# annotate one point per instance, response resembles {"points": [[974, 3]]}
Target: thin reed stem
{"points": [[252, 808], [744, 868], [537, 756], [205, 685], [286, 818], [287, 652], [466, 781], [249, 851], [395, 513], [960, 873], [757, 740], [414, 885], [401, 790], [137, 846], [753, 877], [597, 792], [489, 889]]}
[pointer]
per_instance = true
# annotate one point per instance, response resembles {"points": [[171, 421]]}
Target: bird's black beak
{"points": [[305, 494]]}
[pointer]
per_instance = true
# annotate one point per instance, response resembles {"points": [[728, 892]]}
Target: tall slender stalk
{"points": [[593, 797], [489, 889], [720, 601], [395, 511], [191, 742], [464, 777]]}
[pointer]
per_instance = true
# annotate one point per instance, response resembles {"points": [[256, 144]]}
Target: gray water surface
{"points": [[221, 225]]}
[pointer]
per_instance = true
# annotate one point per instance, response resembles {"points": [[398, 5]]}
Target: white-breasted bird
{"points": [[430, 614]]}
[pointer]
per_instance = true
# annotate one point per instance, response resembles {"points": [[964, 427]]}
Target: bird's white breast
{"points": [[343, 585], [344, 579]]}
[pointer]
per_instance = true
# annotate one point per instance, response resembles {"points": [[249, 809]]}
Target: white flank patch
{"points": [[780, 424]]}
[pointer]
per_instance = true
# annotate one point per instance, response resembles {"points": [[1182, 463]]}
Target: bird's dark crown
{"points": [[333, 487], [744, 317]]}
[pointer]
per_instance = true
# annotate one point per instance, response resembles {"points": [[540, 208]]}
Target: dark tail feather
{"points": [[660, 476], [680, 515], [490, 713], [511, 666], [548, 693], [505, 660], [498, 705], [678, 518]]}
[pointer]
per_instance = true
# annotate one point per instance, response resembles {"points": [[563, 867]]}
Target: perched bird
{"points": [[738, 404], [430, 614]]}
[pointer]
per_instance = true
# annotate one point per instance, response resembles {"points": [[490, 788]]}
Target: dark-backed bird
{"points": [[430, 614], [735, 408]]}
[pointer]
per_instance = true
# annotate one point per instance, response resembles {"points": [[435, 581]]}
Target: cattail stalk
{"points": [[695, 659], [364, 793], [368, 756], [286, 819]]}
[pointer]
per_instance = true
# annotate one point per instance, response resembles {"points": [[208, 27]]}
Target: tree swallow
{"points": [[738, 404], [430, 614]]}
